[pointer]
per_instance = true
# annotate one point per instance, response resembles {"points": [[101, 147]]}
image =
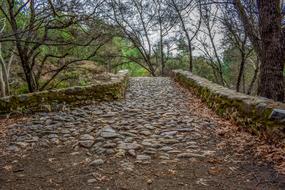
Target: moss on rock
{"points": [[47, 100], [253, 113]]}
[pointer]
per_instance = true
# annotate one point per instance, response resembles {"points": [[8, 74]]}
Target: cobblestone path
{"points": [[150, 140]]}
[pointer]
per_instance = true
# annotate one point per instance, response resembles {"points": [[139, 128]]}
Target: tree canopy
{"points": [[235, 43]]}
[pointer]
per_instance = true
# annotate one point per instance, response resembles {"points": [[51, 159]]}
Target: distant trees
{"points": [[150, 24]]}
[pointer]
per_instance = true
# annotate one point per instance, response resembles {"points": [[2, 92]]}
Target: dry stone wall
{"points": [[53, 99], [259, 115]]}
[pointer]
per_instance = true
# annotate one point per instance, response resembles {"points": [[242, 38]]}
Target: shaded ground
{"points": [[158, 138]]}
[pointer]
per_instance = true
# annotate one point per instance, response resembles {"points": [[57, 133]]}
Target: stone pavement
{"points": [[152, 122], [152, 127]]}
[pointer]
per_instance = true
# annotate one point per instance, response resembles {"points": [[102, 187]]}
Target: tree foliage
{"points": [[231, 42]]}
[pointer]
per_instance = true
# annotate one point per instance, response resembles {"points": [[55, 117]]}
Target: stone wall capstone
{"points": [[51, 99], [259, 115]]}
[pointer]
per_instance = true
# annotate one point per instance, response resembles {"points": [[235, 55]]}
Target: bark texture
{"points": [[271, 83]]}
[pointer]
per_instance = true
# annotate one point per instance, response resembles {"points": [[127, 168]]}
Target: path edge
{"points": [[51, 100], [259, 115]]}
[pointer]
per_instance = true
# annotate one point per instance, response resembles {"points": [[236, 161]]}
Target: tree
{"points": [[208, 41], [135, 18], [50, 30], [5, 66], [237, 38], [268, 39], [165, 23], [182, 10]]}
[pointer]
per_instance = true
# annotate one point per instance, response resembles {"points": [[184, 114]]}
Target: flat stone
{"points": [[109, 135], [108, 129], [65, 131], [97, 162], [166, 148], [184, 129], [110, 151], [164, 157], [149, 127], [129, 139], [128, 134], [108, 132], [189, 155], [146, 133], [277, 114], [174, 151], [169, 141], [55, 141], [74, 153], [110, 145], [49, 122], [86, 143], [151, 143], [51, 136], [110, 114], [13, 148], [129, 146], [143, 157], [169, 133], [132, 153], [100, 151], [149, 152], [91, 181], [34, 139], [86, 140], [86, 137]]}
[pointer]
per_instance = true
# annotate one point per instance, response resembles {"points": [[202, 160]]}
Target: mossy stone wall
{"points": [[259, 115], [47, 100]]}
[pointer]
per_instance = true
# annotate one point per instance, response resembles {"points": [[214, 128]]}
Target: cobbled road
{"points": [[105, 145]]}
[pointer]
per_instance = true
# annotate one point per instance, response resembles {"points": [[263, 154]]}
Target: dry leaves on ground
{"points": [[237, 137]]}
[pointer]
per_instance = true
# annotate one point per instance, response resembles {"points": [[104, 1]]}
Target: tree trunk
{"points": [[189, 42], [241, 71], [5, 76], [222, 80], [254, 78], [243, 83], [5, 73], [23, 51], [151, 69], [189, 45], [220, 66], [29, 75], [152, 73], [2, 85], [190, 55], [162, 63], [161, 52], [271, 81]]}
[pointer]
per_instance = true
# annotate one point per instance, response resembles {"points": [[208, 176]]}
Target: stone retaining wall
{"points": [[259, 115], [52, 99]]}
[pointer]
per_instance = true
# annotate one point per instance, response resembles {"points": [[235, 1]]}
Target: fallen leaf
{"points": [[215, 170]]}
